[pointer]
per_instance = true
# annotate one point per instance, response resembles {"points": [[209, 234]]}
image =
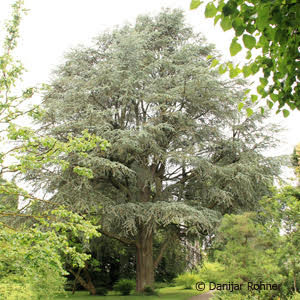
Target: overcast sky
{"points": [[53, 26]]}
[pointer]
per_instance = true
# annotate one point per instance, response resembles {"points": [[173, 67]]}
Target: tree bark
{"points": [[90, 284], [75, 281], [144, 260], [87, 285]]}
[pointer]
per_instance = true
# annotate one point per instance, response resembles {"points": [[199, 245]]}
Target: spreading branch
{"points": [[116, 237]]}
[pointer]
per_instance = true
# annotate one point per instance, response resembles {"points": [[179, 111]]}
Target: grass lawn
{"points": [[169, 293]]}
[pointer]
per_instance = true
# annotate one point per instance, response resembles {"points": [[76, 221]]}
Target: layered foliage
{"points": [[271, 27], [180, 154], [168, 133]]}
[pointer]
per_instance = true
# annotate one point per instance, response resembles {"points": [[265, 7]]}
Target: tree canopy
{"points": [[179, 153], [271, 27]]}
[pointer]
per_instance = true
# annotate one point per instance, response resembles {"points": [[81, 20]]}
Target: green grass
{"points": [[169, 293]]}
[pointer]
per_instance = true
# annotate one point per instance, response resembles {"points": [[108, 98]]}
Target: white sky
{"points": [[53, 26]]}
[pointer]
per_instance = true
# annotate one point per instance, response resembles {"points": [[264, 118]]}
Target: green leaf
{"points": [[235, 47], [217, 18], [222, 69], [262, 20], [270, 104], [234, 72], [263, 81], [286, 113], [249, 54], [210, 10], [260, 89], [254, 68], [238, 25], [250, 28], [214, 63], [274, 97], [263, 41], [247, 71], [208, 57], [254, 98], [249, 41], [226, 23], [262, 110], [240, 106], [249, 112], [195, 3]]}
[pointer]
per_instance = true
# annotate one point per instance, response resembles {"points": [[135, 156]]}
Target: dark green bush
{"points": [[160, 285], [172, 284], [124, 286], [149, 291], [69, 285], [101, 291]]}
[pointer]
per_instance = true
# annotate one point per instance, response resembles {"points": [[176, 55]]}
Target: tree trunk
{"points": [[144, 260], [90, 284], [75, 281], [87, 285]]}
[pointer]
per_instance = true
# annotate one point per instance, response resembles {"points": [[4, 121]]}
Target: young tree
{"points": [[247, 255], [28, 251], [179, 153], [282, 211], [273, 28]]}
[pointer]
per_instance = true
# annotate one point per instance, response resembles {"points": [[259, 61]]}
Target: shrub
{"points": [[212, 272], [124, 286], [69, 285], [149, 291], [161, 285], [188, 280], [101, 291]]}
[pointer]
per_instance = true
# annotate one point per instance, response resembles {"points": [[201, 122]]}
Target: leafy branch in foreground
{"points": [[271, 27], [34, 246], [31, 264]]}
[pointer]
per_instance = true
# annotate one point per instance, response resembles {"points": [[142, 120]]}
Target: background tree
{"points": [[282, 211], [249, 253], [259, 247], [179, 153], [273, 28]]}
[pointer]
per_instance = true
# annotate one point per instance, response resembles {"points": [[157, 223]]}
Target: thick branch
{"points": [[161, 253], [120, 239], [79, 279], [181, 181], [121, 187]]}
